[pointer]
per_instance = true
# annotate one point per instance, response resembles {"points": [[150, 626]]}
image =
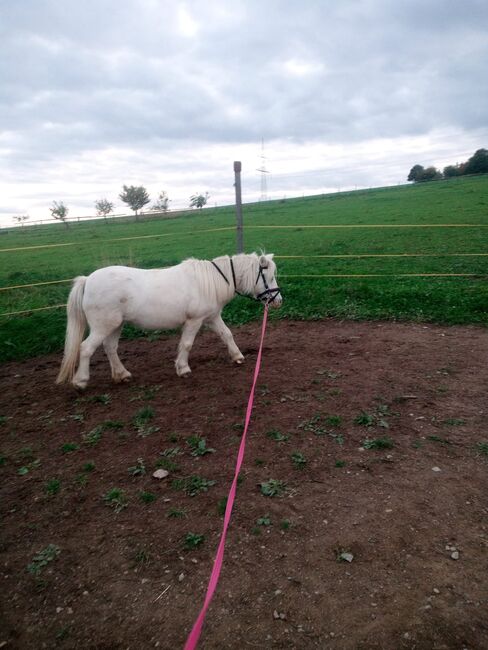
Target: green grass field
{"points": [[412, 242]]}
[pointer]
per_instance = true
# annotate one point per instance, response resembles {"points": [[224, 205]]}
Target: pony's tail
{"points": [[75, 330]]}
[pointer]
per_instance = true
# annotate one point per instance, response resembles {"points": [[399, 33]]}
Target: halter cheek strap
{"points": [[267, 296]]}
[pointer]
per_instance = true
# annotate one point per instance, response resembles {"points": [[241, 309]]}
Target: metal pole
{"points": [[237, 185]]}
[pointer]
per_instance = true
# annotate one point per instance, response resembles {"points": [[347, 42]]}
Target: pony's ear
{"points": [[263, 261]]}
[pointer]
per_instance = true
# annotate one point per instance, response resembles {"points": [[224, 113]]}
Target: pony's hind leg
{"points": [[87, 348], [110, 345], [190, 330], [220, 328]]}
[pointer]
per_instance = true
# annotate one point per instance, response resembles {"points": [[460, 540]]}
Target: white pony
{"points": [[191, 294]]}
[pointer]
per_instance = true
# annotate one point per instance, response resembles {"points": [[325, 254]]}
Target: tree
{"points": [[199, 200], [162, 204], [431, 174], [451, 171], [415, 174], [418, 174], [103, 207], [478, 163], [60, 212], [21, 218], [135, 197]]}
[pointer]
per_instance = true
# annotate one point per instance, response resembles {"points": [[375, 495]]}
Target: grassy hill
{"points": [[387, 233]]}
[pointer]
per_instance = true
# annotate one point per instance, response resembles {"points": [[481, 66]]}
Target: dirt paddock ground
{"points": [[372, 439]]}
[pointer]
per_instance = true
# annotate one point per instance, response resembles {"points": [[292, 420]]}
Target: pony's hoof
{"points": [[239, 361], [183, 372], [80, 385], [123, 379]]}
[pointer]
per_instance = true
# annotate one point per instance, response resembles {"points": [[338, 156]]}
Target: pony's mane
{"points": [[213, 285]]}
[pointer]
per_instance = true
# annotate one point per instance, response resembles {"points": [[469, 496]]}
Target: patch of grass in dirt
{"points": [[141, 557], [139, 469], [482, 448], [43, 558], [167, 464], [147, 497], [69, 446], [277, 435], [192, 541], [298, 459], [378, 443], [141, 421], [265, 520], [25, 469], [443, 441], [116, 499], [340, 463], [192, 485], [198, 446], [52, 487], [176, 513], [97, 399], [454, 422], [145, 393], [273, 488]]}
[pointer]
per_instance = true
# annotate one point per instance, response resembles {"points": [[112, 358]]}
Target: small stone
{"points": [[144, 580], [70, 610], [277, 592], [276, 616], [436, 591], [455, 555], [436, 469], [347, 557], [181, 577], [160, 473], [86, 593], [59, 610]]}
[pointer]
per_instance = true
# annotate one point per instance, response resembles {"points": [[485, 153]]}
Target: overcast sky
{"points": [[167, 94]]}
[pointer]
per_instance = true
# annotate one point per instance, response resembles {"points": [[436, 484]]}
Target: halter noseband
{"points": [[267, 296]]}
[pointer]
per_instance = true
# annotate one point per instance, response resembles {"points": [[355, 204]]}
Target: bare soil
{"points": [[404, 513]]}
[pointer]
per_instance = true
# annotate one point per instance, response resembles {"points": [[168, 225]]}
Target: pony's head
{"points": [[266, 288]]}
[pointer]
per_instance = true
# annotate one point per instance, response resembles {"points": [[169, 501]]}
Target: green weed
{"points": [[275, 434], [141, 421], [192, 485], [265, 520], [199, 446], [116, 499], [69, 446], [52, 487], [176, 513], [147, 497], [273, 488], [299, 460], [139, 469], [193, 540], [43, 558], [378, 443]]}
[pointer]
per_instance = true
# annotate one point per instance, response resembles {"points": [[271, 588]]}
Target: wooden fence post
{"points": [[237, 184]]}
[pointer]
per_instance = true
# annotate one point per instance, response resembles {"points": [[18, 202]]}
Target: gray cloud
{"points": [[145, 75]]}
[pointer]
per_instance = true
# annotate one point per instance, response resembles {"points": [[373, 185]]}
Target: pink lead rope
{"points": [[194, 635]]}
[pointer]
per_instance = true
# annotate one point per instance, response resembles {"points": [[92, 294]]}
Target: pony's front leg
{"points": [[190, 330], [220, 328]]}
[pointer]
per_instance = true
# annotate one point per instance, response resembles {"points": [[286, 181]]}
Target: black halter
{"points": [[267, 296]]}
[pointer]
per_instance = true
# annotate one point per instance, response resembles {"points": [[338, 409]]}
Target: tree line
{"points": [[477, 164], [136, 197]]}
